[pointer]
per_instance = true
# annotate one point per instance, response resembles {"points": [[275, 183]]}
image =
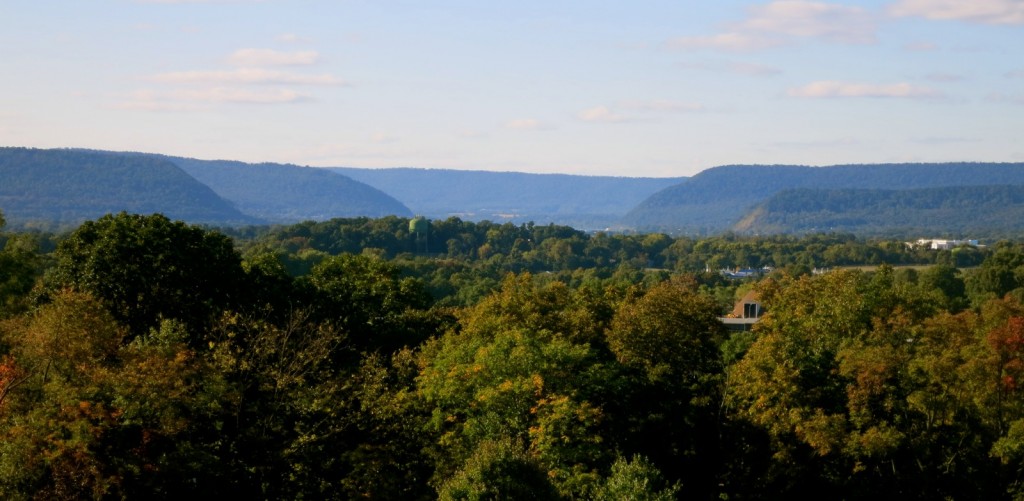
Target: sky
{"points": [[620, 88]]}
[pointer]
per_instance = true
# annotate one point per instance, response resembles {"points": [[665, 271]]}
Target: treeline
{"points": [[541, 248], [146, 358]]}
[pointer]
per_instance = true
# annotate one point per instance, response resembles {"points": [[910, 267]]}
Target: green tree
{"points": [[519, 368], [148, 268], [668, 397], [371, 300]]}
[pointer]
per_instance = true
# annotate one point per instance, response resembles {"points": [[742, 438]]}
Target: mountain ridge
{"points": [[65, 187], [716, 199]]}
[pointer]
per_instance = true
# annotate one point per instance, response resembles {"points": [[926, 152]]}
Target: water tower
{"points": [[420, 226]]}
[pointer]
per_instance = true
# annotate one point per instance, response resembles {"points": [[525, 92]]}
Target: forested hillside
{"points": [[716, 199], [585, 202], [289, 193], [148, 358], [66, 187], [962, 210]]}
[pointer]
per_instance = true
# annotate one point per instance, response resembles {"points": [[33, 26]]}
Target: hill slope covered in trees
{"points": [[66, 187], [586, 202], [960, 210], [718, 198], [289, 193]]}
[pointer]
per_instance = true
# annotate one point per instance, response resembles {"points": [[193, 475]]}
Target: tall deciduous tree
{"points": [[148, 268], [668, 397]]}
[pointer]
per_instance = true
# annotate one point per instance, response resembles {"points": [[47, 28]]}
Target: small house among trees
{"points": [[745, 313]]}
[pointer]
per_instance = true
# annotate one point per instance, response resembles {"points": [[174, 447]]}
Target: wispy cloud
{"points": [[837, 89], [784, 22], [601, 114], [527, 124], [972, 11], [245, 76], [271, 57], [1015, 73], [832, 22], [199, 89]]}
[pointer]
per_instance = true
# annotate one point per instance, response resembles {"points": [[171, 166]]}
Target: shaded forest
{"points": [[54, 188], [718, 198], [958, 210], [142, 357]]}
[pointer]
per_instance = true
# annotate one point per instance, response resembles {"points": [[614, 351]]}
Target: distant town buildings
{"points": [[939, 244], [743, 273]]}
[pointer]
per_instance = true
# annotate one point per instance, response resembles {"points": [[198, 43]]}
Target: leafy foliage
{"points": [[148, 268], [335, 360]]}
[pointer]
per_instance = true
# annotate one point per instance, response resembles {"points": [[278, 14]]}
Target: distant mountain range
{"points": [[740, 198], [584, 202], [63, 187]]}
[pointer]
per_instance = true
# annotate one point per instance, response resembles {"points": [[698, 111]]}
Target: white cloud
{"points": [[833, 22], [783, 22], [600, 114], [192, 90], [833, 89], [973, 11], [1015, 73], [527, 124], [271, 57], [245, 76]]}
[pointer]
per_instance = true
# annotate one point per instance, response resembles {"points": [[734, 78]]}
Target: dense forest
{"points": [[285, 193], [54, 188], [718, 198], [959, 210], [389, 358]]}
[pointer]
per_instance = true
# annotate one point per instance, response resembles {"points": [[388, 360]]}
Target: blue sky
{"points": [[639, 88]]}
